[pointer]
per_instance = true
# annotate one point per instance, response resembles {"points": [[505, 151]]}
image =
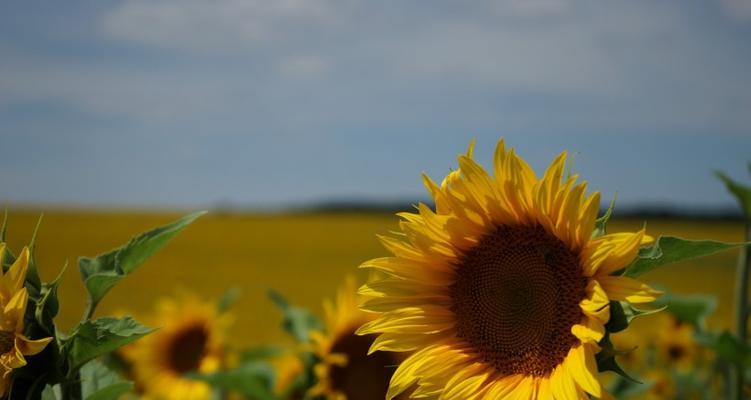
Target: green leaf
{"points": [[297, 321], [52, 393], [606, 359], [227, 299], [261, 352], [741, 192], [731, 350], [692, 309], [670, 249], [253, 379], [102, 272], [112, 392], [94, 338], [602, 222], [100, 383]]}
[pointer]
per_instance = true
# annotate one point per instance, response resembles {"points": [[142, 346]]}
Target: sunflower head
{"points": [[13, 300], [502, 290], [345, 370], [675, 342], [191, 338]]}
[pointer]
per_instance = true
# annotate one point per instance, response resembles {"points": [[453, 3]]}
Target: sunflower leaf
{"points": [[689, 309], [730, 349], [100, 383], [228, 299], [297, 321], [102, 272], [671, 249], [112, 392], [52, 393], [741, 192], [94, 338], [252, 379]]}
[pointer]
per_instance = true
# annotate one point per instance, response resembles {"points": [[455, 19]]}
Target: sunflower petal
{"points": [[623, 288]]}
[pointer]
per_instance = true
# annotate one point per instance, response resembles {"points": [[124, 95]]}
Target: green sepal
{"points": [[47, 304], [622, 313], [602, 222], [95, 338], [297, 321], [671, 249], [606, 359], [102, 272]]}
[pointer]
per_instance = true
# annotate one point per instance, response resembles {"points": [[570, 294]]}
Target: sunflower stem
{"points": [[742, 308]]}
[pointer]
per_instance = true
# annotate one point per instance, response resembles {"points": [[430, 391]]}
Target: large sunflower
{"points": [[191, 338], [502, 291], [345, 370], [13, 299]]}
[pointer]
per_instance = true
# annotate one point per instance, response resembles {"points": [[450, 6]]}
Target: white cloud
{"points": [[737, 9], [530, 9], [213, 25], [310, 66]]}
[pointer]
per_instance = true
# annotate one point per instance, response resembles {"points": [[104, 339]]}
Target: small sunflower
{"points": [[346, 371], [502, 291], [13, 299], [191, 338], [675, 342]]}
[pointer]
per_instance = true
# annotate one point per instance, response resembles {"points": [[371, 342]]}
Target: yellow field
{"points": [[304, 257]]}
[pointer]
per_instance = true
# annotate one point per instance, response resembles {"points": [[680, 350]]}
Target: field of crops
{"points": [[303, 256]]}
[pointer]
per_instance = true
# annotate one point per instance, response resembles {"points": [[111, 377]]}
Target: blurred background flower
{"points": [[191, 338]]}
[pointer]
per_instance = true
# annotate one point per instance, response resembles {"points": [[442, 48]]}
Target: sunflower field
{"points": [[511, 283]]}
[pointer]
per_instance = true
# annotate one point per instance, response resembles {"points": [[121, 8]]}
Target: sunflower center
{"points": [[516, 297], [364, 377], [187, 349], [7, 341]]}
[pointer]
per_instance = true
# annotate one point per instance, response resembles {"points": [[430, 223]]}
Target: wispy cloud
{"points": [[318, 82]]}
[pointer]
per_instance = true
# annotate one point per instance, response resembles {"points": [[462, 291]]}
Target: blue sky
{"points": [[189, 103]]}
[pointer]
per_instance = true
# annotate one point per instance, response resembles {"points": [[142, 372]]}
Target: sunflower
{"points": [[13, 299], [502, 291], [675, 342], [191, 338], [345, 370]]}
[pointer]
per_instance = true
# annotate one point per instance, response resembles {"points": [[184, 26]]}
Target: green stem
{"points": [[742, 308]]}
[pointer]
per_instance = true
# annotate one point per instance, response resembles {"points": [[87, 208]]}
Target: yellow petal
{"points": [[580, 363], [562, 384], [16, 308], [623, 288], [30, 347], [16, 274], [596, 303], [466, 383], [607, 254]]}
